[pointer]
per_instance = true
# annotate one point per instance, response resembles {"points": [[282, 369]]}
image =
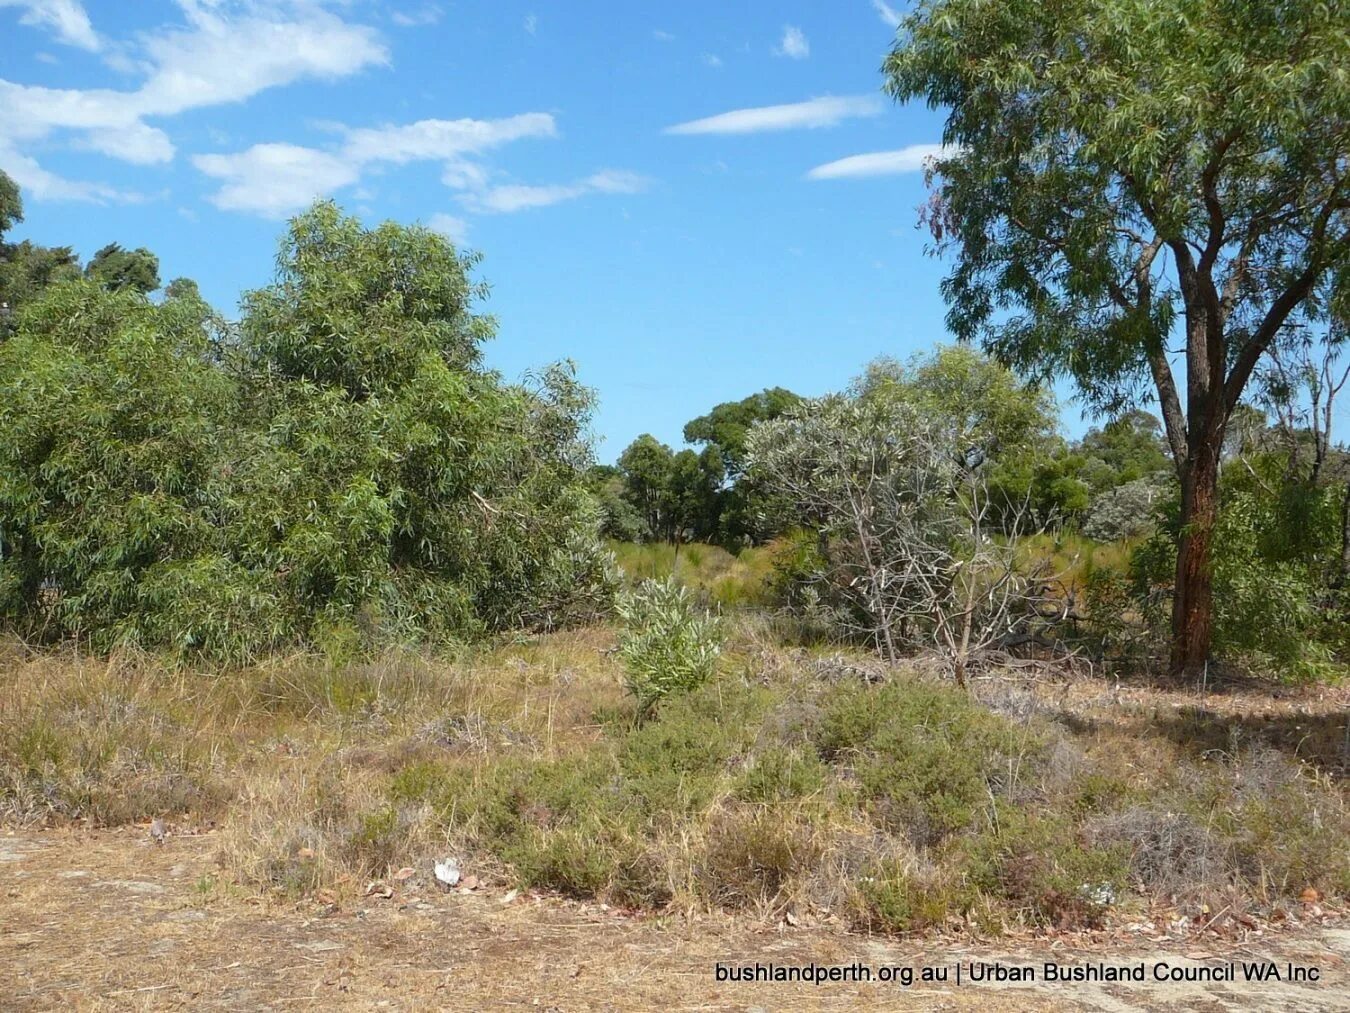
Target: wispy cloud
{"points": [[222, 53], [274, 180], [36, 180], [712, 60], [531, 23], [816, 112], [442, 140], [793, 44], [887, 13], [66, 18], [508, 198], [881, 163], [429, 14], [662, 36], [454, 229]]}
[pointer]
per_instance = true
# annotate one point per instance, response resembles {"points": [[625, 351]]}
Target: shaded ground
{"points": [[109, 920]]}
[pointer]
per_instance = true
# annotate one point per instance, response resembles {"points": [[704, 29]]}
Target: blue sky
{"points": [[680, 255]]}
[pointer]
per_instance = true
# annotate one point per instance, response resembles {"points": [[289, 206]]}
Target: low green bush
{"points": [[668, 644], [928, 758]]}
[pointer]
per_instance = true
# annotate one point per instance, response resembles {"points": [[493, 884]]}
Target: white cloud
{"points": [[662, 36], [531, 23], [508, 198], [616, 181], [427, 15], [712, 59], [454, 229], [275, 179], [67, 18], [228, 59], [887, 13], [43, 185], [225, 51], [793, 44], [881, 163], [816, 112], [136, 143], [462, 174], [443, 139]]}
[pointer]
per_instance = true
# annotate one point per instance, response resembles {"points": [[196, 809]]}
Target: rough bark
{"points": [[1193, 600]]}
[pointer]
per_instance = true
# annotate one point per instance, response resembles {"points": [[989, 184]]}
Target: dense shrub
{"points": [[928, 759], [348, 475], [1276, 558], [111, 427]]}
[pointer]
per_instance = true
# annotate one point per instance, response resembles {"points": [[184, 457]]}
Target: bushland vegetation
{"points": [[337, 470], [873, 656]]}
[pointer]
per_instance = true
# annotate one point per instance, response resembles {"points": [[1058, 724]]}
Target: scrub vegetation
{"points": [[903, 656]]}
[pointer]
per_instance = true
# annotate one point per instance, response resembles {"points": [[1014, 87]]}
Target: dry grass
{"points": [[800, 781], [727, 579]]}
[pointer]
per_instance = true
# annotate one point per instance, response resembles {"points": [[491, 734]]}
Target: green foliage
{"points": [[892, 476], [1276, 552], [1128, 510], [347, 476], [1119, 176], [667, 643], [115, 268], [928, 758], [725, 428], [677, 496], [1127, 449], [694, 495], [645, 466], [709, 571], [1047, 481], [892, 898], [25, 271], [971, 404], [11, 203], [781, 774], [1093, 140], [619, 519], [968, 399], [110, 485], [1040, 866]]}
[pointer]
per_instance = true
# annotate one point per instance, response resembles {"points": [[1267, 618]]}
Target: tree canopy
{"points": [[116, 268], [1121, 175]]}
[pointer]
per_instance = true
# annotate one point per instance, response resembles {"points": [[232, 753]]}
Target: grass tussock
{"points": [[725, 579], [793, 780]]}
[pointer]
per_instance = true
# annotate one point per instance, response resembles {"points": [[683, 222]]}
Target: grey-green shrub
{"points": [[1126, 511]]}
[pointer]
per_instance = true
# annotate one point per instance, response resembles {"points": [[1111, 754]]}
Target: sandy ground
{"points": [[110, 920]]}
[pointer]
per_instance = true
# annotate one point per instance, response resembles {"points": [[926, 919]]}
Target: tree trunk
{"points": [[1193, 597]]}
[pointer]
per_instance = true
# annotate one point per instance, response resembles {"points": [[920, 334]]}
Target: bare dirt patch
{"points": [[109, 920]]}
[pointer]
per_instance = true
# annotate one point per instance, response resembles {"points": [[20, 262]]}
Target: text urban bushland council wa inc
{"points": [[1050, 972]]}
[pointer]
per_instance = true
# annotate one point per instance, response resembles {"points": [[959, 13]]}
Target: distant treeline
{"points": [[1108, 484]]}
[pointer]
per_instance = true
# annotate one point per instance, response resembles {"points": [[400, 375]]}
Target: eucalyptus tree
{"points": [[1137, 187]]}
